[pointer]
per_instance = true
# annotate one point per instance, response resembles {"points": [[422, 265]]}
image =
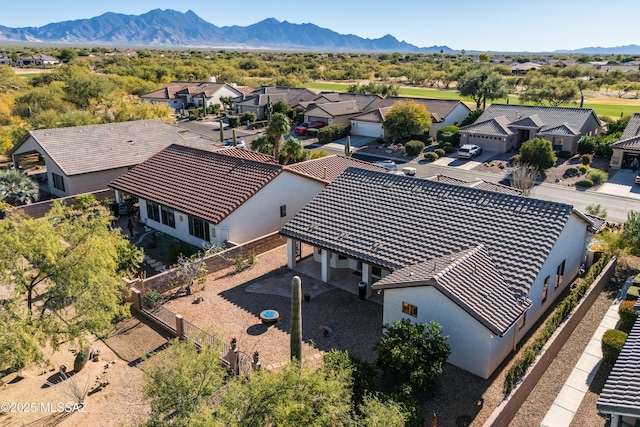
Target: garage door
{"points": [[373, 130]]}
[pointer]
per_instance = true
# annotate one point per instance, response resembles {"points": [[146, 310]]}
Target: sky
{"points": [[472, 25]]}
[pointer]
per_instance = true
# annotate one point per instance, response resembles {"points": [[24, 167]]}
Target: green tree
{"points": [[482, 84], [64, 275], [538, 152], [280, 107], [17, 188], [263, 144], [552, 90], [412, 353], [406, 119], [181, 381], [279, 126], [292, 151], [630, 238], [67, 54]]}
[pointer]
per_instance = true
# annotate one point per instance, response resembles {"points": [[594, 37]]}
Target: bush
{"points": [[564, 154], [586, 145], [84, 201], [472, 117], [586, 159], [332, 133], [633, 293], [430, 156], [404, 397], [440, 152], [515, 159], [538, 152], [312, 132], [448, 148], [612, 342], [597, 176], [362, 373], [450, 134], [628, 315], [414, 147], [234, 121], [571, 172], [249, 116], [584, 183], [583, 169]]}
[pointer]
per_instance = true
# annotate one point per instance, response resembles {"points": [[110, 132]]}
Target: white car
{"points": [[239, 143], [388, 164], [469, 151]]}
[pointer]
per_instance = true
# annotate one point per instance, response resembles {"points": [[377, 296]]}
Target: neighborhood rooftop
{"points": [[326, 169], [395, 221], [206, 184]]}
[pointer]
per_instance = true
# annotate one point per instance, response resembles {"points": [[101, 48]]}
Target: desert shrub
{"points": [[538, 152], [84, 201], [414, 147], [362, 373], [586, 145], [571, 172], [515, 159], [448, 148], [472, 117], [404, 397], [583, 169], [612, 342], [249, 116], [440, 152], [628, 315], [430, 156], [449, 134], [234, 121], [597, 176], [632, 293], [586, 159], [564, 154], [312, 132], [333, 133], [584, 183], [214, 109]]}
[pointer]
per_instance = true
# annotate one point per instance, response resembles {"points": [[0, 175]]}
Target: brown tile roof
{"points": [[85, 149], [175, 90], [241, 153], [326, 169], [335, 109], [206, 184], [633, 127], [439, 108]]}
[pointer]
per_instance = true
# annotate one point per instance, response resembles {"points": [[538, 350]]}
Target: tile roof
{"points": [[560, 130], [335, 109], [621, 392], [290, 95], [241, 153], [529, 122], [478, 183], [262, 99], [496, 125], [439, 108], [175, 90], [632, 143], [470, 279], [395, 221], [326, 169], [633, 127], [85, 149], [364, 101], [598, 223], [206, 184], [550, 117]]}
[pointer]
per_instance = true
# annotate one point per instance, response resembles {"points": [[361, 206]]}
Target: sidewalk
{"points": [[568, 400]]}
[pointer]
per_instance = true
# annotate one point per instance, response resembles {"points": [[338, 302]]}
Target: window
{"points": [[168, 217], [522, 321], [545, 288], [376, 271], [409, 309], [199, 228], [560, 273], [153, 211], [58, 181], [283, 211]]}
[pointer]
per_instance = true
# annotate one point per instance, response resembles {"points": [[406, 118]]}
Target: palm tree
{"points": [[262, 144], [17, 188], [280, 125], [292, 149]]}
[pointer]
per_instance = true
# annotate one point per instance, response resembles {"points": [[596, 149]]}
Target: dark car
{"points": [[302, 128]]}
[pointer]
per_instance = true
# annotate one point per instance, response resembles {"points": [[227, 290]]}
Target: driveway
{"points": [[452, 161], [621, 184]]}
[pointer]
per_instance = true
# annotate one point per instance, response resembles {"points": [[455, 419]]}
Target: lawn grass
{"points": [[612, 109], [30, 76]]}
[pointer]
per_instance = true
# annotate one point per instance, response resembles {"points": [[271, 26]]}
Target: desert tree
{"points": [[406, 119]]}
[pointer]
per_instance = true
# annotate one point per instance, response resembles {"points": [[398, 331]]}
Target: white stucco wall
{"points": [[456, 116], [260, 215], [182, 226], [473, 347]]}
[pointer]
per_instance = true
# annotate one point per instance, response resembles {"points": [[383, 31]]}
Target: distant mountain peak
{"points": [[168, 27]]}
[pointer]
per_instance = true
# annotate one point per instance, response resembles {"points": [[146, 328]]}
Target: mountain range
{"points": [[169, 28]]}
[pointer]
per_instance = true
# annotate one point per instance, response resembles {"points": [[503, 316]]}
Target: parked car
{"points": [[469, 151], [302, 128], [389, 164], [637, 181], [239, 143]]}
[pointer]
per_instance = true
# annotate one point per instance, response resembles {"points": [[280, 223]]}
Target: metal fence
{"points": [[156, 310]]}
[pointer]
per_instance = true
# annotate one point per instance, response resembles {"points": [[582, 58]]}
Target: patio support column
{"points": [[615, 418], [325, 266], [291, 253], [366, 277], [118, 196]]}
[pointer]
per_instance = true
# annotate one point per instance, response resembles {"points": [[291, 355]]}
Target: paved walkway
{"points": [[568, 400]]}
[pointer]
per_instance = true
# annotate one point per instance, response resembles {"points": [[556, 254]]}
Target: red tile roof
{"points": [[206, 184], [327, 169]]}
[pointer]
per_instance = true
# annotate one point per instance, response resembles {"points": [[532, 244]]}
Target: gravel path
{"points": [[543, 395]]}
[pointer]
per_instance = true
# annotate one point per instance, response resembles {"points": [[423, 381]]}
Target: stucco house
{"points": [[619, 397], [178, 95], [443, 113], [84, 159], [628, 147], [504, 127], [483, 264], [257, 100], [224, 196], [37, 60]]}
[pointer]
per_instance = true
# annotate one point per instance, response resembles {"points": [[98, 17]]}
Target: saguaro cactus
{"points": [[347, 147], [235, 138], [221, 129], [296, 319]]}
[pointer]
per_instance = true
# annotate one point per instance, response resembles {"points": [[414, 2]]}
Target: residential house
{"points": [[335, 107], [83, 159], [504, 127], [37, 60], [257, 100], [224, 196], [443, 113], [628, 147], [180, 95], [619, 397], [523, 68], [485, 265], [5, 60]]}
